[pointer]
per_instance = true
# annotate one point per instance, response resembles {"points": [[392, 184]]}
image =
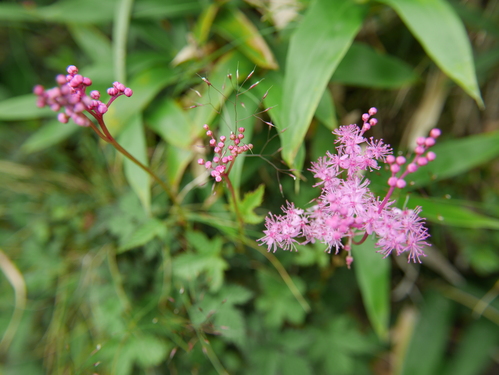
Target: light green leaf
{"points": [[23, 108], [237, 28], [189, 266], [373, 275], [48, 135], [326, 112], [77, 11], [316, 48], [143, 234], [160, 9], [251, 201], [90, 39], [171, 122], [452, 212], [148, 350], [204, 23], [177, 160], [363, 66], [121, 24], [133, 140], [443, 36]]}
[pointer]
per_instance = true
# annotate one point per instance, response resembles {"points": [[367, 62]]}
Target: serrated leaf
{"points": [[142, 235], [48, 135], [190, 266], [23, 108], [148, 350], [203, 244], [373, 275], [236, 27], [365, 67], [252, 200], [316, 48], [443, 36], [133, 140]]}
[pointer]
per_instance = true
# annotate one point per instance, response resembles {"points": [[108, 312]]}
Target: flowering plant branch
{"points": [[346, 207], [70, 95]]}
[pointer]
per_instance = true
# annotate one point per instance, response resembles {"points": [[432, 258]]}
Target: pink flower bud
{"points": [[206, 127], [102, 108], [435, 133], [411, 168], [61, 79], [400, 160], [61, 117], [222, 138], [373, 111], [394, 168], [422, 161], [390, 159], [72, 69], [431, 156], [87, 81], [373, 122], [419, 150], [95, 95], [429, 142], [401, 184], [241, 130], [208, 164], [420, 141], [392, 181], [200, 161], [213, 142], [128, 92], [365, 117], [38, 90]]}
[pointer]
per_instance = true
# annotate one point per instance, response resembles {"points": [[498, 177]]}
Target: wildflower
{"points": [[346, 206], [70, 95]]}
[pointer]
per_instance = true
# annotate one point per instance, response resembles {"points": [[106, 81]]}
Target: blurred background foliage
{"points": [[103, 273]]}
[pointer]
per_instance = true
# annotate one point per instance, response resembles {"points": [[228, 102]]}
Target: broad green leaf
{"points": [[316, 48], [133, 140], [23, 108], [456, 157], [429, 337], [96, 44], [373, 275], [473, 353], [451, 212], [251, 201], [177, 160], [171, 122], [143, 234], [237, 28], [17, 12], [203, 244], [49, 135], [326, 112], [189, 266], [442, 34], [363, 66]]}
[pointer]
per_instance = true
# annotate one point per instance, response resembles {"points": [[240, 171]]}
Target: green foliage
{"points": [[103, 271]]}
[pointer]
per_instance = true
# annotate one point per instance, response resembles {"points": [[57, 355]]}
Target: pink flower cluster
{"points": [[70, 95], [346, 207], [225, 155]]}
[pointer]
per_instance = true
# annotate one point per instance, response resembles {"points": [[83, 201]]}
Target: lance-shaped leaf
{"points": [[443, 36], [315, 50]]}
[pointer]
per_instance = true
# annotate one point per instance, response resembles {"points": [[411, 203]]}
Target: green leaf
{"points": [[148, 350], [145, 86], [237, 28], [121, 25], [189, 266], [456, 157], [160, 9], [373, 275], [452, 212], [133, 140], [365, 67], [429, 337], [442, 34], [23, 108], [91, 40], [143, 234], [77, 11], [251, 201], [48, 135], [204, 23], [326, 112], [316, 48], [274, 289], [177, 160], [171, 122]]}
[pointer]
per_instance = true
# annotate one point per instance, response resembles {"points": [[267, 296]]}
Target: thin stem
{"points": [[110, 139], [235, 200]]}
